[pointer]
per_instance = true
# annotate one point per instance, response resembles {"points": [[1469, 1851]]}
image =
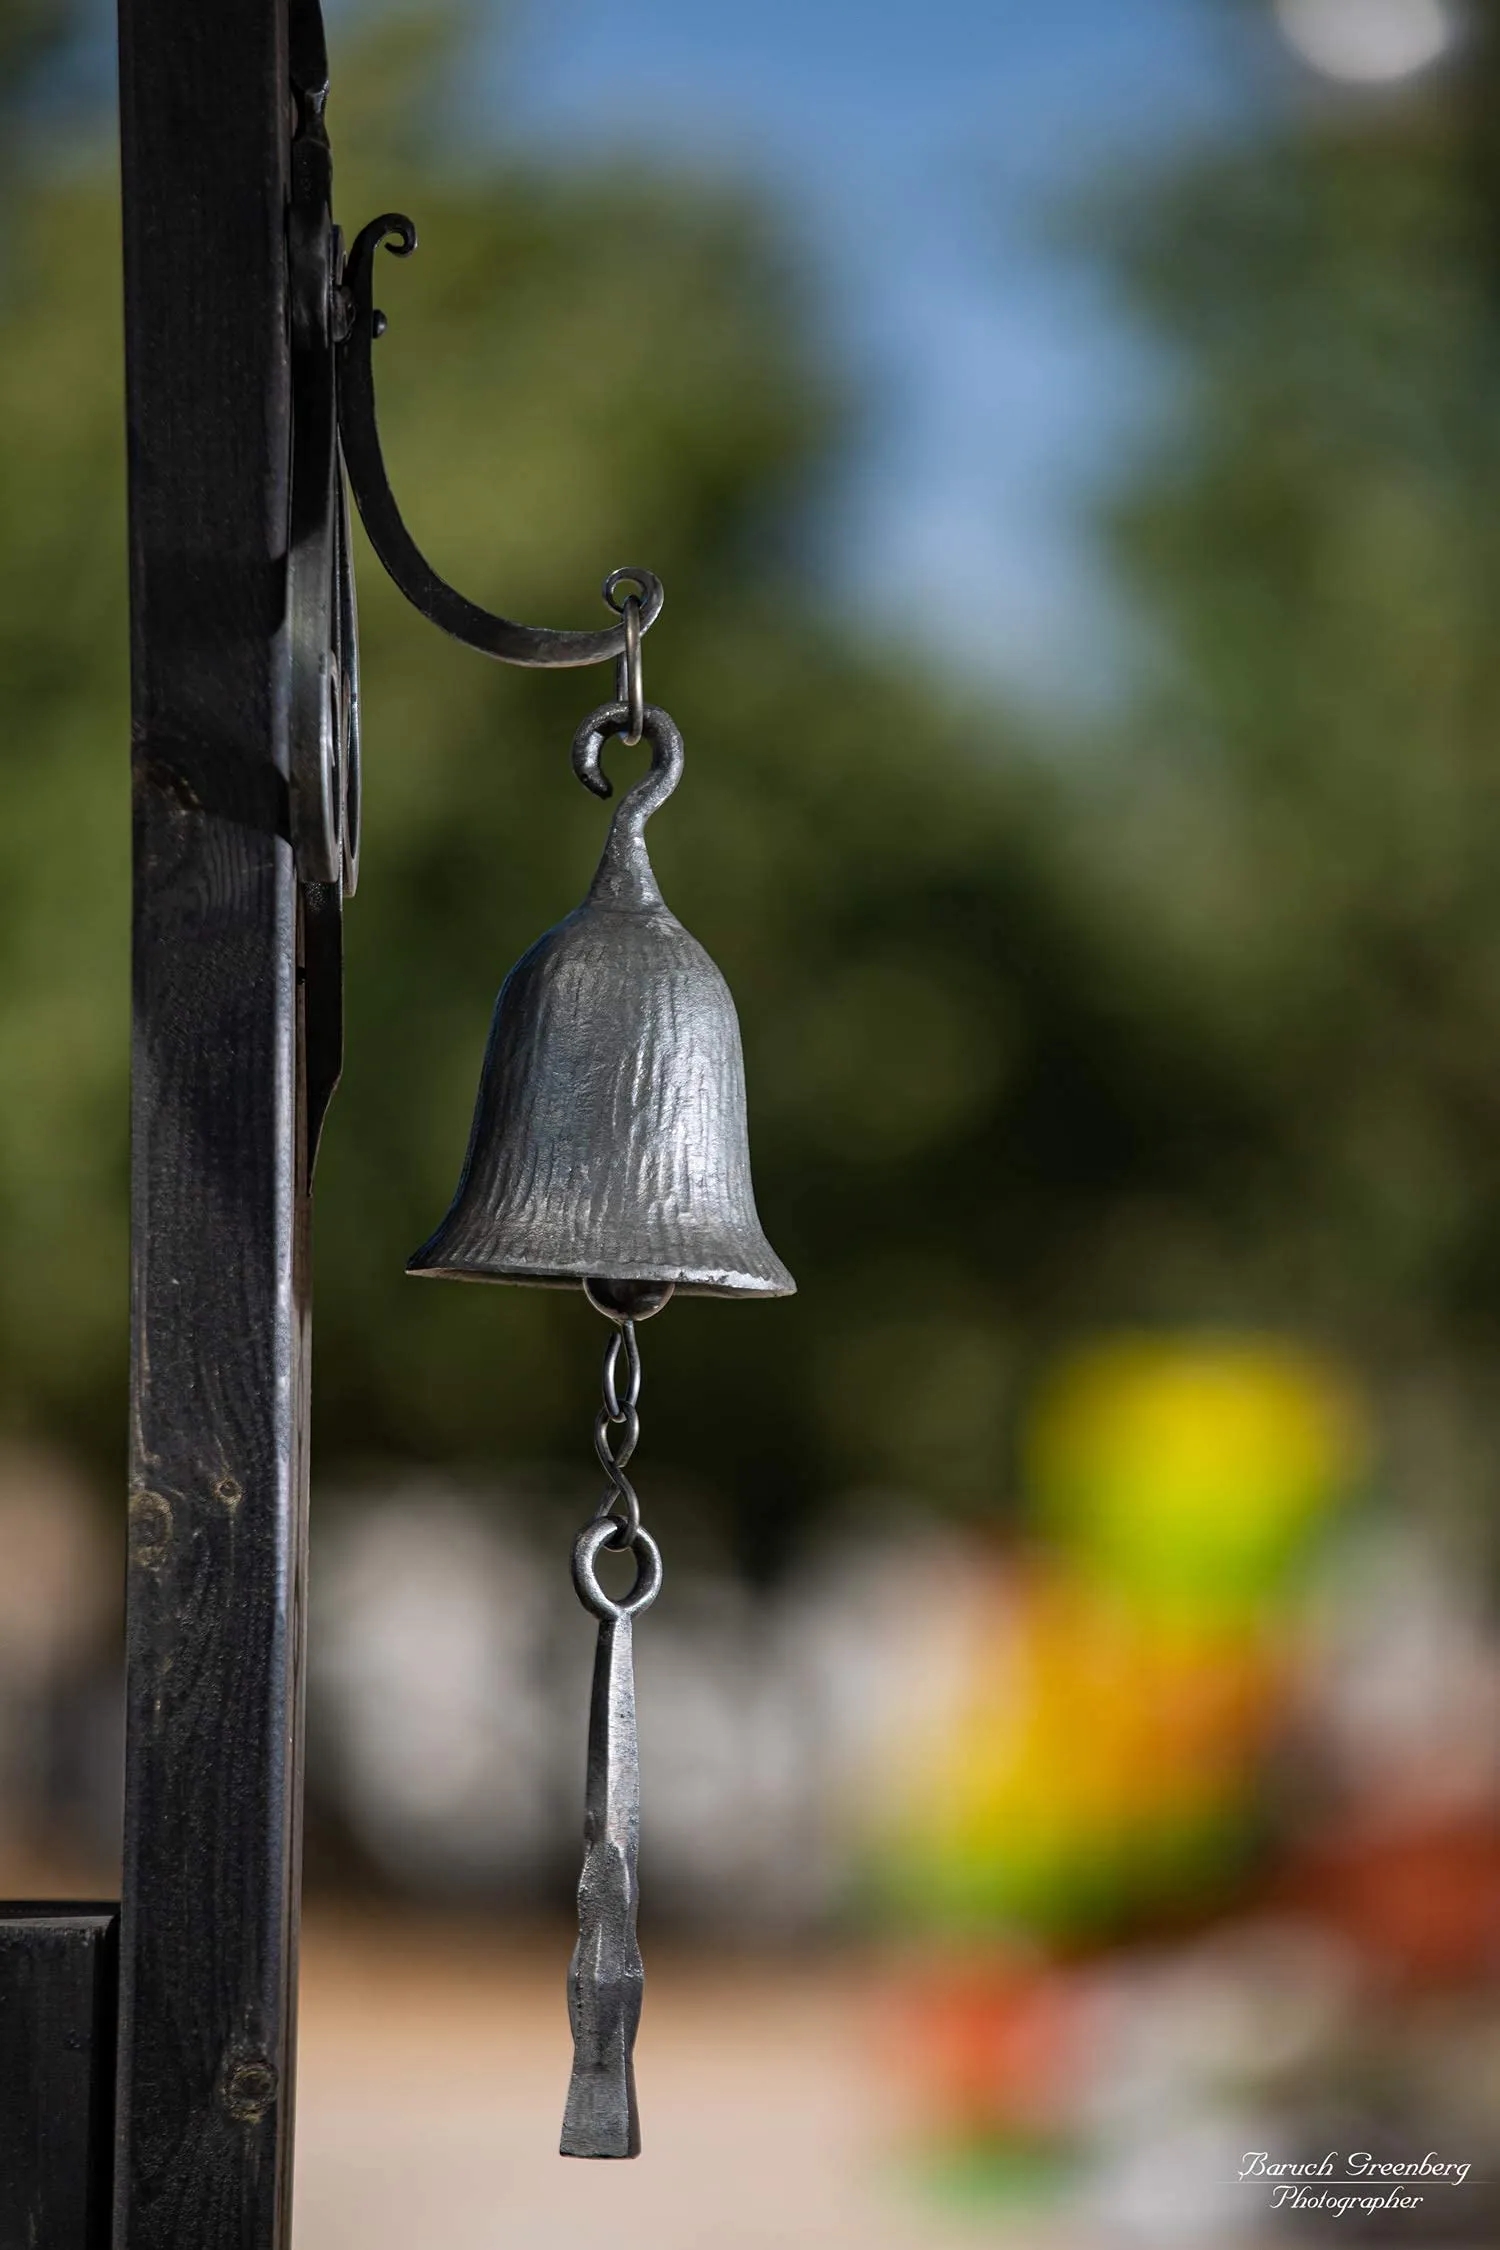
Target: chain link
{"points": [[617, 1413], [629, 686]]}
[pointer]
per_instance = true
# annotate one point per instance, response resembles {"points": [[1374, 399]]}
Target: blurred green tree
{"points": [[1303, 812], [938, 1065], [33, 33], [1191, 1023]]}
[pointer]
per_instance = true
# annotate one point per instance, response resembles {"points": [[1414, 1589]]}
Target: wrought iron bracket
{"points": [[323, 749], [359, 325]]}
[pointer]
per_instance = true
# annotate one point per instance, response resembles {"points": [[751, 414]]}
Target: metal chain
{"points": [[617, 1413], [605, 1974]]}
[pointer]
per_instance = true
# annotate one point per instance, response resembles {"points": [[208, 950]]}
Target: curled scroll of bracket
{"points": [[358, 326]]}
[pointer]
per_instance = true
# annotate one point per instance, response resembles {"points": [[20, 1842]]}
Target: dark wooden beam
{"points": [[217, 1510], [57, 2065]]}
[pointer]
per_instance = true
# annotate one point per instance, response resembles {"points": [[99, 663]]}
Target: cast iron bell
{"points": [[609, 1141]]}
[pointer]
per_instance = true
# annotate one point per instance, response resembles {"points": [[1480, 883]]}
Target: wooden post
{"points": [[218, 1470], [57, 2062]]}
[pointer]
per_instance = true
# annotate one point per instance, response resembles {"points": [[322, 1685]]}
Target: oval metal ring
{"points": [[587, 1547], [630, 687]]}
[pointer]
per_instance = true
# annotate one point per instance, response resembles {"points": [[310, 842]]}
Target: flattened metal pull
{"points": [[605, 1976]]}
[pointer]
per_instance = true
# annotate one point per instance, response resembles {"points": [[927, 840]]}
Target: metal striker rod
{"points": [[605, 1976]]}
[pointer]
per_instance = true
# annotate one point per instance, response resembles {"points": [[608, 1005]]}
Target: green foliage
{"points": [[1199, 1022], [931, 1049], [64, 844], [32, 33], [557, 402], [1311, 787]]}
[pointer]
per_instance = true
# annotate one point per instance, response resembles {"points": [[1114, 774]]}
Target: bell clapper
{"points": [[605, 1976]]}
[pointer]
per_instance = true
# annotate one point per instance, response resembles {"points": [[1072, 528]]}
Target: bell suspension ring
{"points": [[605, 1976]]}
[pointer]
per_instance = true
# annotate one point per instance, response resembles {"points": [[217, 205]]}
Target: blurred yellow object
{"points": [[1189, 1472]]}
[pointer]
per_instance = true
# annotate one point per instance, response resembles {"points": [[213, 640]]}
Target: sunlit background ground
{"points": [[1070, 438]]}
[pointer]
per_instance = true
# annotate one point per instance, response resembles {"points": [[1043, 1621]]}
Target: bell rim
{"points": [[700, 1283]]}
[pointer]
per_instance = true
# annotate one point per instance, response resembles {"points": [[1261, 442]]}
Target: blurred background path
{"points": [[432, 2072]]}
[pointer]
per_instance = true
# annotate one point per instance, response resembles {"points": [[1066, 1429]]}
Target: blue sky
{"points": [[917, 150]]}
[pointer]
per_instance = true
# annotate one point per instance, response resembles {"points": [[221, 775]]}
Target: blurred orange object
{"points": [[987, 2045], [1093, 1763], [1422, 1904]]}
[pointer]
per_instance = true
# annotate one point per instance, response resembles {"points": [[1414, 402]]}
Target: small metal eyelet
{"points": [[588, 1546]]}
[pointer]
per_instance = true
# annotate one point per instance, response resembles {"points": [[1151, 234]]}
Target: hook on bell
{"points": [[609, 1142]]}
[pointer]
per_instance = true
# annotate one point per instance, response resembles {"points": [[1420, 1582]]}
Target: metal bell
{"points": [[609, 1143]]}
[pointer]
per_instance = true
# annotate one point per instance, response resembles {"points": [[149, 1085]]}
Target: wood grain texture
{"points": [[217, 1473], [57, 2037]]}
